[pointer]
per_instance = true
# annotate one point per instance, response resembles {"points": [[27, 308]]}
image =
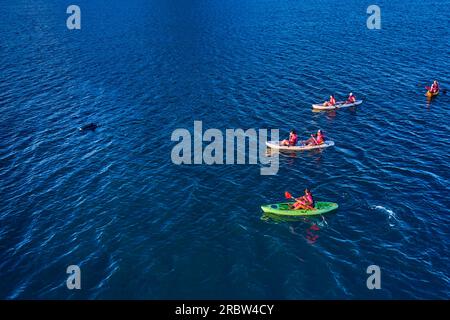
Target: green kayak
{"points": [[283, 209]]}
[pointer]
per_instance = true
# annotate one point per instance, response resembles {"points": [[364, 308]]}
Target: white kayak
{"points": [[276, 146], [338, 105]]}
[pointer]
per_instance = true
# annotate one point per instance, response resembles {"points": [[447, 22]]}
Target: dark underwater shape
{"points": [[89, 127]]}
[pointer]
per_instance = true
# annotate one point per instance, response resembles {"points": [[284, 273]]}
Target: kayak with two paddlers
{"points": [[332, 104], [316, 141]]}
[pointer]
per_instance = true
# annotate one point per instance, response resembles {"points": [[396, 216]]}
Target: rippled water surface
{"points": [[112, 202]]}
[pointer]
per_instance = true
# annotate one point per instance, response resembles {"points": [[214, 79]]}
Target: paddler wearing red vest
{"points": [[331, 102], [316, 140], [351, 98], [293, 139], [434, 87]]}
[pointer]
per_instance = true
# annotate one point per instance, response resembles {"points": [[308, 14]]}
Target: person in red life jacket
{"points": [[304, 203], [320, 138], [331, 102], [434, 87], [293, 139], [316, 140], [351, 98]]}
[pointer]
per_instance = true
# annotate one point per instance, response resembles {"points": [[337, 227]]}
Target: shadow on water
{"points": [[311, 233], [331, 114], [290, 156], [430, 100], [294, 154], [313, 219]]}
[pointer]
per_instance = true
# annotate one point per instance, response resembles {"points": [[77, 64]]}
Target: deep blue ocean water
{"points": [[140, 227]]}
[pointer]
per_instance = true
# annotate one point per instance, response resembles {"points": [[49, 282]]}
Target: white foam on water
{"points": [[391, 214], [323, 223]]}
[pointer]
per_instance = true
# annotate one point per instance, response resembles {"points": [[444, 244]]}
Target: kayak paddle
{"points": [[288, 195], [303, 142]]}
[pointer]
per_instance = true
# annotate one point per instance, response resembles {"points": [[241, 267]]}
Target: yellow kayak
{"points": [[431, 95]]}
